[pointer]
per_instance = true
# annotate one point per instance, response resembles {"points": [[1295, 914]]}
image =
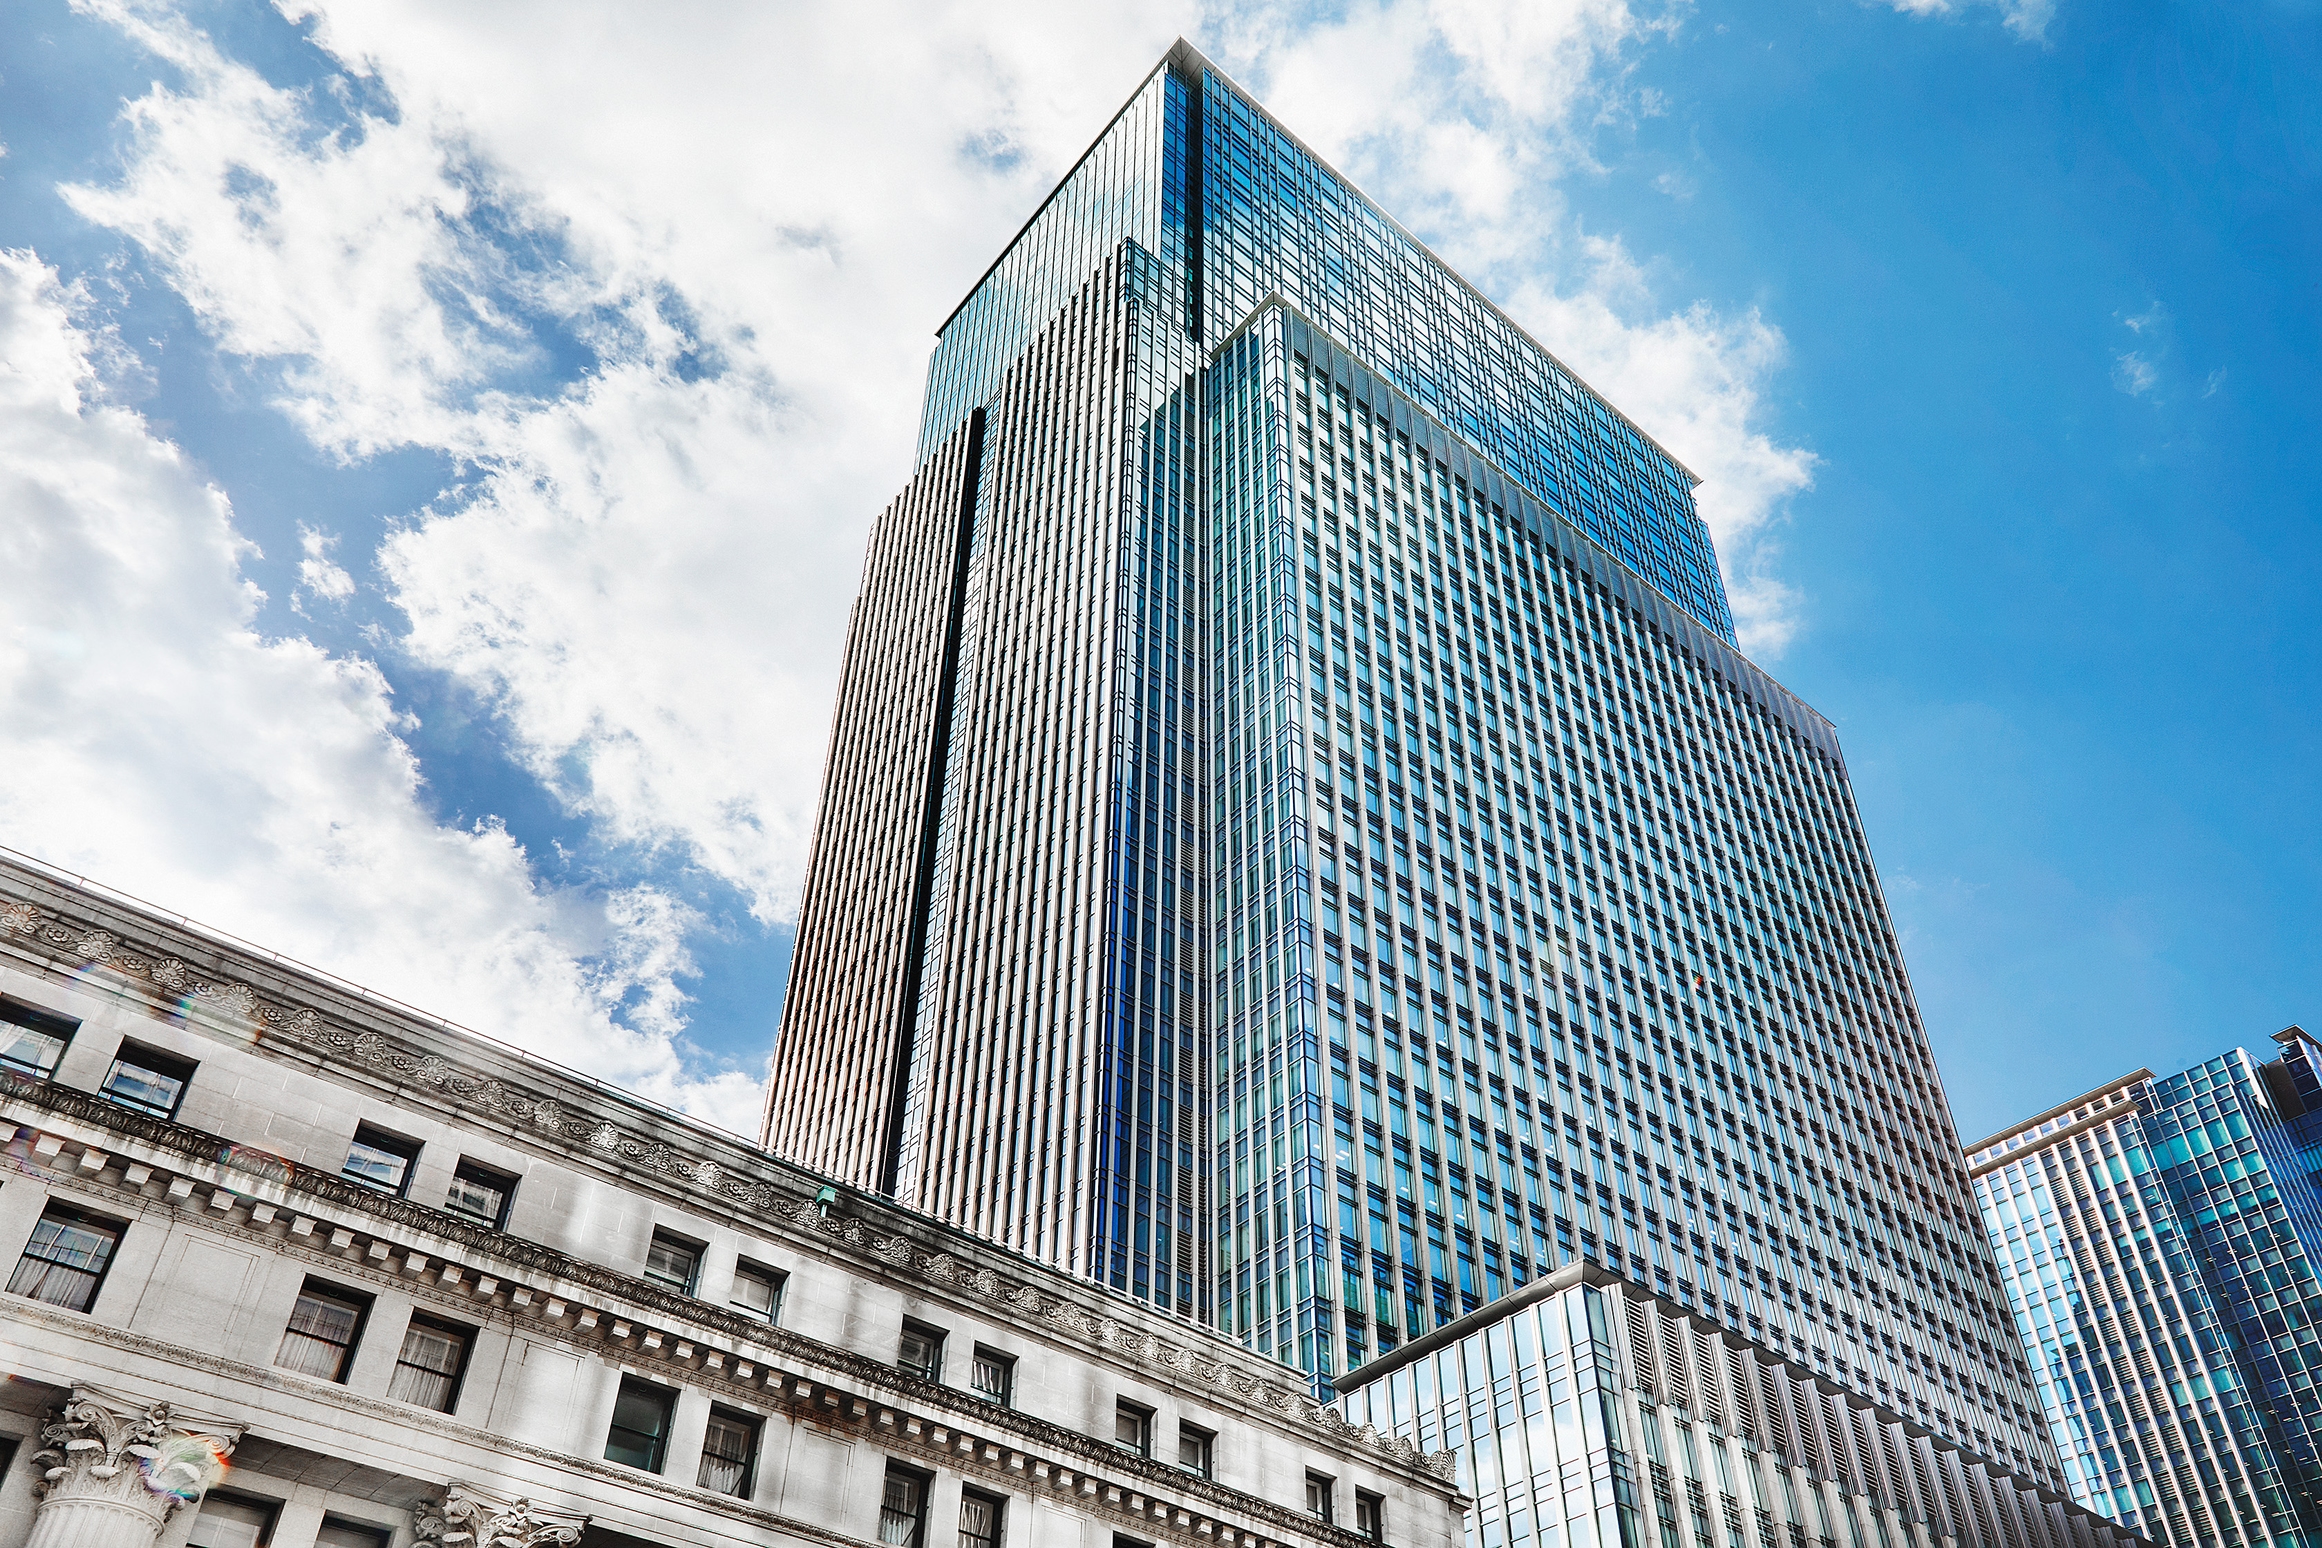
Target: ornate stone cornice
{"points": [[372, 1052], [935, 1443], [403, 1415], [468, 1517], [100, 1447], [926, 1416], [721, 1184]]}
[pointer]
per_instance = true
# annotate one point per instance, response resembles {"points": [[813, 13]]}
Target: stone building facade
{"points": [[291, 1266]]}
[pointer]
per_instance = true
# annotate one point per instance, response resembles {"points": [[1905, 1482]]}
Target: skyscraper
{"points": [[1300, 844], [2160, 1239]]}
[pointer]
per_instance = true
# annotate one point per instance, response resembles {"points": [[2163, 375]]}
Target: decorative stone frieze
{"points": [[113, 1471], [468, 1517]]}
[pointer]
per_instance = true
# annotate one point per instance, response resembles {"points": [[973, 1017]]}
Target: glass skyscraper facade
{"points": [[2158, 1238], [1237, 210], [1302, 847]]}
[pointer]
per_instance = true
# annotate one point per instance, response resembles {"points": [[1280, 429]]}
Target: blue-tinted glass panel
{"points": [[1276, 221], [1127, 188]]}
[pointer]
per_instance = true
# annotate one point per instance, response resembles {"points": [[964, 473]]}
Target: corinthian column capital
{"points": [[98, 1442], [468, 1517], [114, 1469]]}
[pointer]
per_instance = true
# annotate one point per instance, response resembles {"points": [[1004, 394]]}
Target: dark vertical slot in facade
{"points": [[931, 815], [1195, 88]]}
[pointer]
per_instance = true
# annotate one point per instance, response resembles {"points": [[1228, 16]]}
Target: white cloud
{"points": [[156, 740], [317, 572], [348, 263], [1469, 111], [2137, 371], [2027, 19], [651, 576]]}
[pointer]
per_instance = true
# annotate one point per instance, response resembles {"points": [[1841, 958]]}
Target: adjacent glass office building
{"points": [[1301, 846], [2158, 1237]]}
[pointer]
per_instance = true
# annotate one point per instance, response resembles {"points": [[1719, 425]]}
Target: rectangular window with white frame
{"points": [[339, 1532], [639, 1434], [757, 1291], [919, 1351], [64, 1263], [673, 1263], [729, 1454], [995, 1376], [1133, 1427], [378, 1159], [480, 1193], [232, 1520], [146, 1080]]}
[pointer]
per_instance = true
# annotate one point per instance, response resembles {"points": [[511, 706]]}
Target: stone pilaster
{"points": [[116, 1470], [467, 1517]]}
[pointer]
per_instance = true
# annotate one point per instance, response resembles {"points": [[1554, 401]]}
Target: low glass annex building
{"points": [[1588, 1413], [2159, 1241]]}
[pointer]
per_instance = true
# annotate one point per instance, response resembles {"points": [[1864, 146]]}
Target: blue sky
{"points": [[2058, 609], [476, 639]]}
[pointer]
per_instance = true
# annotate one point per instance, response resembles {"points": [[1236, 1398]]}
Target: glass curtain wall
{"points": [[1277, 221], [1067, 902], [1526, 889], [1367, 880]]}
